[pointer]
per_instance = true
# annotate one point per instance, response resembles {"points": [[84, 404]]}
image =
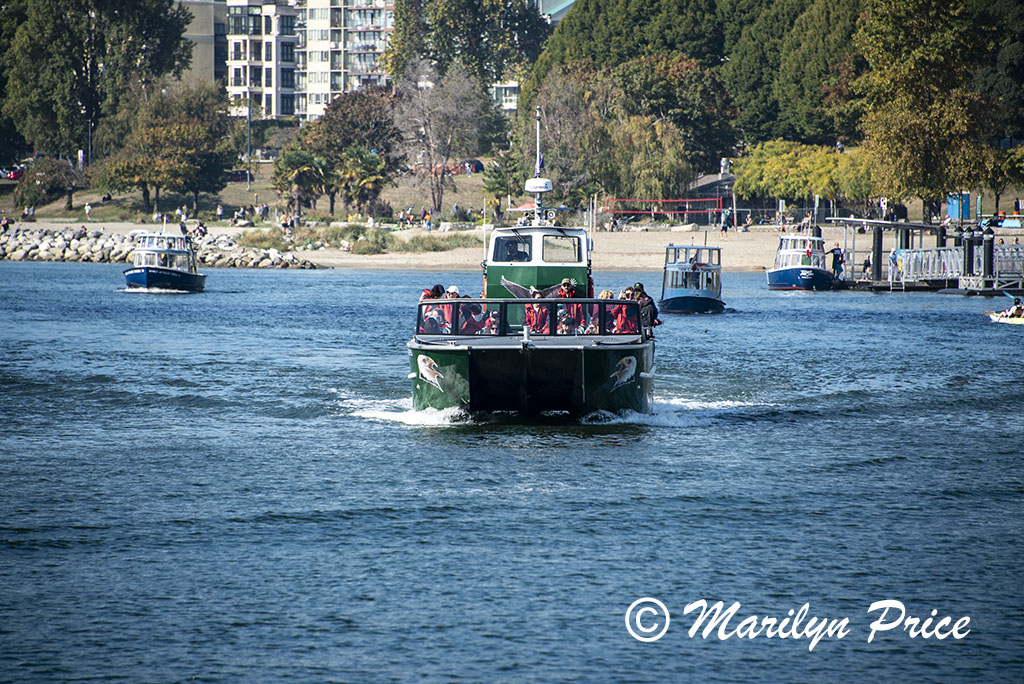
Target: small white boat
{"points": [[800, 265], [693, 280]]}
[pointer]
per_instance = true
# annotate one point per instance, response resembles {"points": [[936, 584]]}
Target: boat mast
{"points": [[538, 165]]}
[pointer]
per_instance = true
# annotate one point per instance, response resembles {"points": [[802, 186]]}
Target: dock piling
{"points": [[876, 254]]}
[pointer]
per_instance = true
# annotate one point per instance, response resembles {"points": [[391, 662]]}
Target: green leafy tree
{"points": [[179, 140], [407, 44], [649, 159], [677, 89], [488, 37], [853, 176], [70, 64], [300, 177], [12, 144], [363, 119], [48, 179], [616, 31], [361, 177], [819, 41], [924, 124], [752, 66], [504, 176], [1000, 79]]}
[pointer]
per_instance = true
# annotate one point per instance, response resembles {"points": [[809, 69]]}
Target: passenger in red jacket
{"points": [[537, 317]]}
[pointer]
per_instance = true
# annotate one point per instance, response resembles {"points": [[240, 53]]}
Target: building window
{"points": [[287, 26], [287, 78], [287, 52], [268, 106], [268, 52], [287, 105], [266, 26], [255, 77], [268, 76], [237, 79]]}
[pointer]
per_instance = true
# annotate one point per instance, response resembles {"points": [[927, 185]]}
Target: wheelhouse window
{"points": [[561, 249], [512, 249]]}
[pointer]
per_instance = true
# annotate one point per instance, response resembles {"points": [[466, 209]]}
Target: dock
{"points": [[973, 265]]}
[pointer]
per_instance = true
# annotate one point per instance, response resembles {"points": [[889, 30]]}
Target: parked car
{"points": [[239, 176], [475, 164], [16, 173]]}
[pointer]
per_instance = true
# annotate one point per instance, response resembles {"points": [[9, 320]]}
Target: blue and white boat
{"points": [[800, 265], [164, 262], [693, 280]]}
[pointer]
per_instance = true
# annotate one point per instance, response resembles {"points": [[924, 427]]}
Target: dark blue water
{"points": [[232, 486]]}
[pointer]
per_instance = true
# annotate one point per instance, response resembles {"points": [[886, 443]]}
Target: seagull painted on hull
{"points": [[624, 372], [429, 371], [520, 292]]}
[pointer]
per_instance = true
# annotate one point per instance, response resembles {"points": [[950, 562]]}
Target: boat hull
{"points": [[996, 318], [573, 379], [800, 278], [690, 304], [158, 278]]}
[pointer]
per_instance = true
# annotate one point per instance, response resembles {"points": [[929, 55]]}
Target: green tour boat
{"points": [[538, 340]]}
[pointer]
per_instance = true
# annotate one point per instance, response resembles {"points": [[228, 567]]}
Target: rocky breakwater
{"points": [[79, 244]]}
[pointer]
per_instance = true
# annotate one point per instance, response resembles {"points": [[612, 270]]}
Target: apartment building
{"points": [[208, 33], [292, 57]]}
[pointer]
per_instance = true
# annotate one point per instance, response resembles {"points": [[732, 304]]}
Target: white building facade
{"points": [[293, 57]]}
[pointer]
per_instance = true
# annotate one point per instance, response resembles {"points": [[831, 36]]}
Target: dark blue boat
{"points": [[693, 280], [800, 265], [164, 262]]}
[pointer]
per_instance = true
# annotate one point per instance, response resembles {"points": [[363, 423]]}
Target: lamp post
{"points": [[248, 140]]}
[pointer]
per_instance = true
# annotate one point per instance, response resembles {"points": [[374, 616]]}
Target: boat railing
{"points": [[537, 317]]}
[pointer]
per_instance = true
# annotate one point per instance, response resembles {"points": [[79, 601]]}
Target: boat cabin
{"points": [[535, 256], [536, 317], [692, 267], [165, 251], [798, 250]]}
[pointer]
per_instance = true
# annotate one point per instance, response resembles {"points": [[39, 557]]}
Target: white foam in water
{"points": [[427, 417]]}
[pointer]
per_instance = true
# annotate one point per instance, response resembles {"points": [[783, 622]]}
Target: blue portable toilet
{"points": [[958, 206]]}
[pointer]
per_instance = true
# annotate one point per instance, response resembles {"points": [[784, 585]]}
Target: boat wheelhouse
{"points": [[531, 355], [800, 265], [692, 282], [164, 262], [537, 256]]}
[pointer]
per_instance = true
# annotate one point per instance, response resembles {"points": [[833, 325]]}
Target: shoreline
{"points": [[627, 251]]}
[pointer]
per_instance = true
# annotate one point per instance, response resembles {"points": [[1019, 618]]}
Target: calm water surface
{"points": [[232, 486]]}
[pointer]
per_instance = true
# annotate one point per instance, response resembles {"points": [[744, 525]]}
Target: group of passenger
{"points": [[571, 318]]}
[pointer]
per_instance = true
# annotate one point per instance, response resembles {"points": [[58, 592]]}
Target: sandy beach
{"points": [[637, 250]]}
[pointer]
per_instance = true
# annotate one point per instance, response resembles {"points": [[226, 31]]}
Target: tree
{"points": [[364, 119], [47, 179], [488, 37], [407, 44], [677, 89], [616, 31], [819, 41], [504, 176], [12, 144], [440, 119], [361, 177], [300, 176], [180, 140], [924, 123], [649, 159], [69, 65], [750, 72]]}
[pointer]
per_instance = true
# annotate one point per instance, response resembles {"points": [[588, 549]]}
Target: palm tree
{"points": [[301, 177]]}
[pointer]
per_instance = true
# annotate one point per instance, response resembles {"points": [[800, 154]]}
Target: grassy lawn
{"points": [[407, 192]]}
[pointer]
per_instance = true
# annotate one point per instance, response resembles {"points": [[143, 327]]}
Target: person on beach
{"points": [[88, 210]]}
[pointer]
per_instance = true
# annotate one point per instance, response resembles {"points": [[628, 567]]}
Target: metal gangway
{"points": [[910, 265]]}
